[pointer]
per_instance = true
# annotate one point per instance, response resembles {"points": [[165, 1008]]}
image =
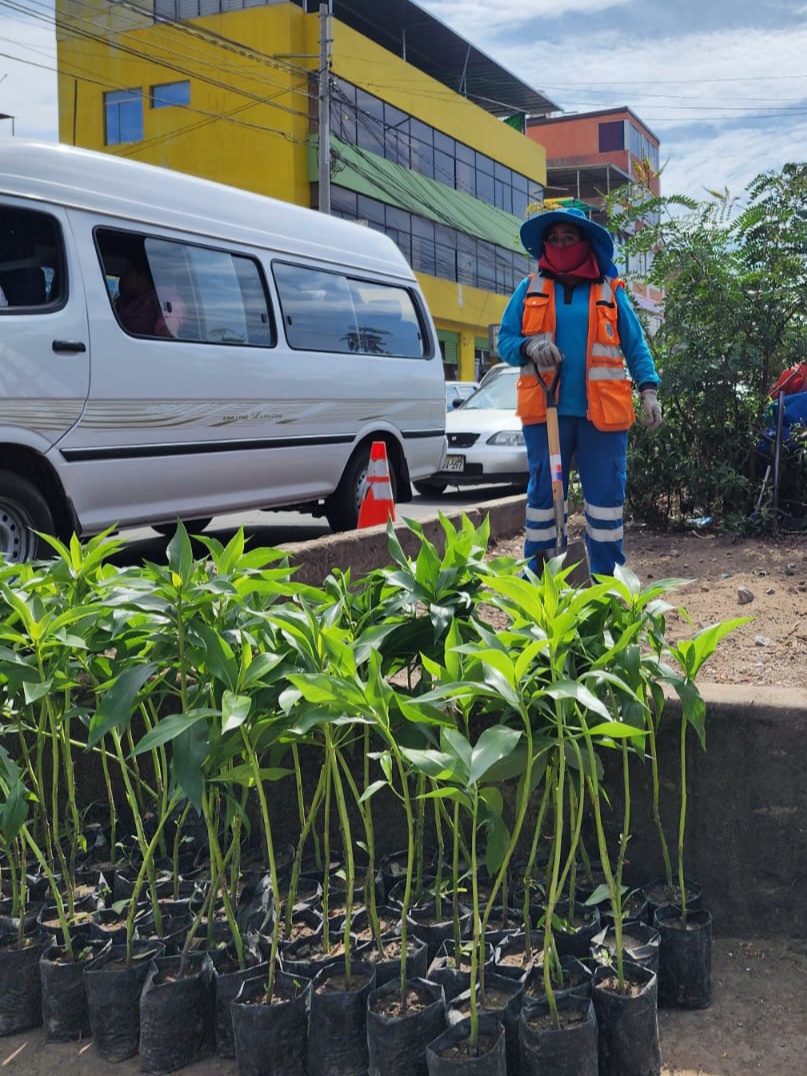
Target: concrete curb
{"points": [[364, 550]]}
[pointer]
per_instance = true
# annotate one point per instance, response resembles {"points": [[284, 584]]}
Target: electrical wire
{"points": [[169, 65]]}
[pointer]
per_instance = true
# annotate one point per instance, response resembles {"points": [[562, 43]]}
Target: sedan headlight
{"points": [[510, 438]]}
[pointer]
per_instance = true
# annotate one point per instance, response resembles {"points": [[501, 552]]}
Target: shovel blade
{"points": [[577, 555]]}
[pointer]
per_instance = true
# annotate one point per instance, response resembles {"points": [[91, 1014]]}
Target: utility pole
{"points": [[324, 106]]}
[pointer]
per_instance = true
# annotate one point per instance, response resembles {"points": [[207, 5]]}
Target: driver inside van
{"points": [[138, 307]]}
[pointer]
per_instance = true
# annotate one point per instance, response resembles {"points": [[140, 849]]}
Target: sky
{"points": [[721, 83]]}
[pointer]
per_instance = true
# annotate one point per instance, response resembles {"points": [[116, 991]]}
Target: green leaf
{"points": [[169, 728], [371, 790], [245, 775], [179, 555], [218, 656], [114, 711], [439, 765], [190, 748], [492, 746], [234, 710], [33, 692]]}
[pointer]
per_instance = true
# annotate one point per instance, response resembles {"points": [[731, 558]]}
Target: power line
{"points": [[136, 53]]}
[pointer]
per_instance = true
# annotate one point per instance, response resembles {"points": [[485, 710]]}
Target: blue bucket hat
{"points": [[534, 228]]}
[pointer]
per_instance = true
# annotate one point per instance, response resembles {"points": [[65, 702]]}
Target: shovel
{"points": [[576, 552]]}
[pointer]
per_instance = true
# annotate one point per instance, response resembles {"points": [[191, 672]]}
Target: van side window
{"points": [[164, 288], [324, 311], [31, 260]]}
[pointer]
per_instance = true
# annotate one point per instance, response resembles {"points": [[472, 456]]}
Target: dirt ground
{"points": [[769, 574], [757, 1022]]}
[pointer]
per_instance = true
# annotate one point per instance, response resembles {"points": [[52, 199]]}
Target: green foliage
{"points": [[734, 279]]}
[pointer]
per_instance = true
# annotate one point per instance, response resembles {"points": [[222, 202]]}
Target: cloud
{"points": [[726, 102], [478, 22], [28, 90], [730, 158]]}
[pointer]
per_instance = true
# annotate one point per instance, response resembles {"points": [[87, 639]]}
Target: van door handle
{"points": [[69, 345]]}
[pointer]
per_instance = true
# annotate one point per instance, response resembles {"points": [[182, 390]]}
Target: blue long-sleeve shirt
{"points": [[571, 336]]}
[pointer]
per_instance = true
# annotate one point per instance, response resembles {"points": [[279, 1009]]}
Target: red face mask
{"points": [[577, 259]]}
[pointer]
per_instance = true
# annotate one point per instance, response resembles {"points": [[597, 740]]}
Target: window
{"points": [[123, 116], [436, 248], [31, 260], [161, 288], [612, 136], [171, 93], [325, 311]]}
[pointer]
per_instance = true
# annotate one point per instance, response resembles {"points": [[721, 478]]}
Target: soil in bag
{"points": [[270, 1035], [176, 1012], [565, 1048], [337, 1029], [685, 958], [397, 1037], [113, 987], [628, 1040], [451, 1053], [64, 1000], [21, 982]]}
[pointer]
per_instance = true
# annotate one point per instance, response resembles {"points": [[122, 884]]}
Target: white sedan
{"points": [[485, 442]]}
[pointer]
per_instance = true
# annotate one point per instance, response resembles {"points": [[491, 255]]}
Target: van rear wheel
{"points": [[343, 506], [192, 526], [430, 489], [23, 511]]}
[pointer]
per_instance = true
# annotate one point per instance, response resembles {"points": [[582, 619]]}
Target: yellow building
{"points": [[418, 132]]}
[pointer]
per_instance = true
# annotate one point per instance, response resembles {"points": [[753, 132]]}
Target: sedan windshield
{"points": [[500, 393]]}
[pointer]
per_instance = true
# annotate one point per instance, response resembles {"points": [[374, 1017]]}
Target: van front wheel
{"points": [[343, 505], [23, 511]]}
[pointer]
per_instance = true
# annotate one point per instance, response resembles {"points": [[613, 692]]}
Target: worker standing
{"points": [[573, 313]]}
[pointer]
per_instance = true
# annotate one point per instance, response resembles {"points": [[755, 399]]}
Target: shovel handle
{"points": [[555, 461]]}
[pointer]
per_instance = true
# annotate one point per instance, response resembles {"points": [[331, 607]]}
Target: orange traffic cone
{"points": [[377, 505]]}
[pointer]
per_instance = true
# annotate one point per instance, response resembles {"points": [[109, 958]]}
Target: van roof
{"points": [[142, 193]]}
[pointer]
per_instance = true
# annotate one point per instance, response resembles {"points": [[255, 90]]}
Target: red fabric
{"points": [[578, 259], [791, 381]]}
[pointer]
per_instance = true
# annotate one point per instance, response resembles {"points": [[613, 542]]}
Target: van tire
{"points": [[23, 511], [343, 505], [192, 526]]}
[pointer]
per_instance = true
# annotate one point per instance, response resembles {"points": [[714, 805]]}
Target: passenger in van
{"points": [[138, 306]]}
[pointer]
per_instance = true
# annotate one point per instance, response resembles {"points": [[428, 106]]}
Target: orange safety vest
{"points": [[609, 390]]}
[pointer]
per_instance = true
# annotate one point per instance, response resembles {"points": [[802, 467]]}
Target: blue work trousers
{"points": [[600, 460]]}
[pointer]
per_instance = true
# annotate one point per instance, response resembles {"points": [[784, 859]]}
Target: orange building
{"points": [[590, 154]]}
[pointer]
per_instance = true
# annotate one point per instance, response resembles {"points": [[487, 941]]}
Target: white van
{"points": [[174, 348]]}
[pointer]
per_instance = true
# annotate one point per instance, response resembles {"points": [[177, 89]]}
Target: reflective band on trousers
{"points": [[604, 513], [540, 525]]}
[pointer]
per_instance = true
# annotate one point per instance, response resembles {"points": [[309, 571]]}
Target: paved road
{"points": [[280, 528]]}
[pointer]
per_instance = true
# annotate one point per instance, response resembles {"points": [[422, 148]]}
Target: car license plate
{"points": [[454, 463]]}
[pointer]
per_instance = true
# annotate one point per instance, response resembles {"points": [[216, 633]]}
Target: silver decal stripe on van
{"points": [[40, 414], [163, 414]]}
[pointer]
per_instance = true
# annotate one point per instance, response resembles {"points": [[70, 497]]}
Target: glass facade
{"points": [[622, 135], [362, 120], [435, 248]]}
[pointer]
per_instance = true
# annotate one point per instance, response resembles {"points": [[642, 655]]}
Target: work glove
{"points": [[543, 353], [652, 409]]}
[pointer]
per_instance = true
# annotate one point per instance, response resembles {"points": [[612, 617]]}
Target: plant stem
{"points": [[682, 818]]}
